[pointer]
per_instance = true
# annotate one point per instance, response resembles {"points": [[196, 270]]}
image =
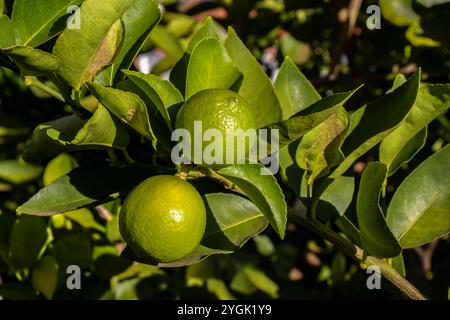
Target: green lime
{"points": [[219, 109], [163, 219]]}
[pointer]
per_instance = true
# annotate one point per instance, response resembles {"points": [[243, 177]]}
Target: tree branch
{"points": [[347, 247], [357, 254]]}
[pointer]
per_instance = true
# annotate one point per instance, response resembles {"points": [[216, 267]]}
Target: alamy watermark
{"points": [[374, 279], [74, 19], [373, 22], [211, 147]]}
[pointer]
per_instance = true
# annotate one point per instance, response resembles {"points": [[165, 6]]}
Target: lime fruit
{"points": [[163, 219], [223, 110]]}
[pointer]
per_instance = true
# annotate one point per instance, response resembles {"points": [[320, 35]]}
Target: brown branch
{"points": [[357, 254]]}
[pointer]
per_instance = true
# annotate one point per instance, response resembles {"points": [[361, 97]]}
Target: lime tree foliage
{"points": [[95, 129]]}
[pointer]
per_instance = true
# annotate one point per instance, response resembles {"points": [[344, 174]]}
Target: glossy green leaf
{"points": [[59, 166], [376, 237], [409, 150], [84, 186], [44, 277], [19, 172], [28, 240], [139, 20], [102, 130], [232, 220], [263, 190], [398, 12], [432, 101], [7, 38], [161, 93], [293, 90], [296, 127], [126, 106], [208, 29], [32, 62], [210, 67], [70, 133], [34, 19], [319, 149], [85, 51], [256, 86], [419, 211], [334, 197], [370, 124]]}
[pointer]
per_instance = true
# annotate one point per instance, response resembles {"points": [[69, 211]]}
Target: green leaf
{"points": [[28, 241], [263, 190], [42, 146], [376, 237], [44, 276], [70, 133], [87, 185], [399, 12], [126, 106], [208, 29], [293, 90], [17, 172], [6, 32], [210, 67], [300, 52], [219, 289], [370, 124], [165, 40], [73, 249], [320, 148], [85, 51], [432, 101], [261, 281], [335, 197], [161, 93], [410, 149], [85, 218], [289, 170], [398, 264], [419, 210], [232, 220], [139, 19], [256, 87], [59, 166], [102, 130], [349, 229], [32, 62], [34, 19]]}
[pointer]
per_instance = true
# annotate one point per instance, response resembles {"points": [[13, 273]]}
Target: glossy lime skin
{"points": [[219, 109], [163, 219]]}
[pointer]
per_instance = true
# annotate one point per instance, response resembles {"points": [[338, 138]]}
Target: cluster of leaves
{"points": [[118, 126]]}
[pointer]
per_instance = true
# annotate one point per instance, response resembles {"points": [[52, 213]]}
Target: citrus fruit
{"points": [[163, 219], [220, 109]]}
